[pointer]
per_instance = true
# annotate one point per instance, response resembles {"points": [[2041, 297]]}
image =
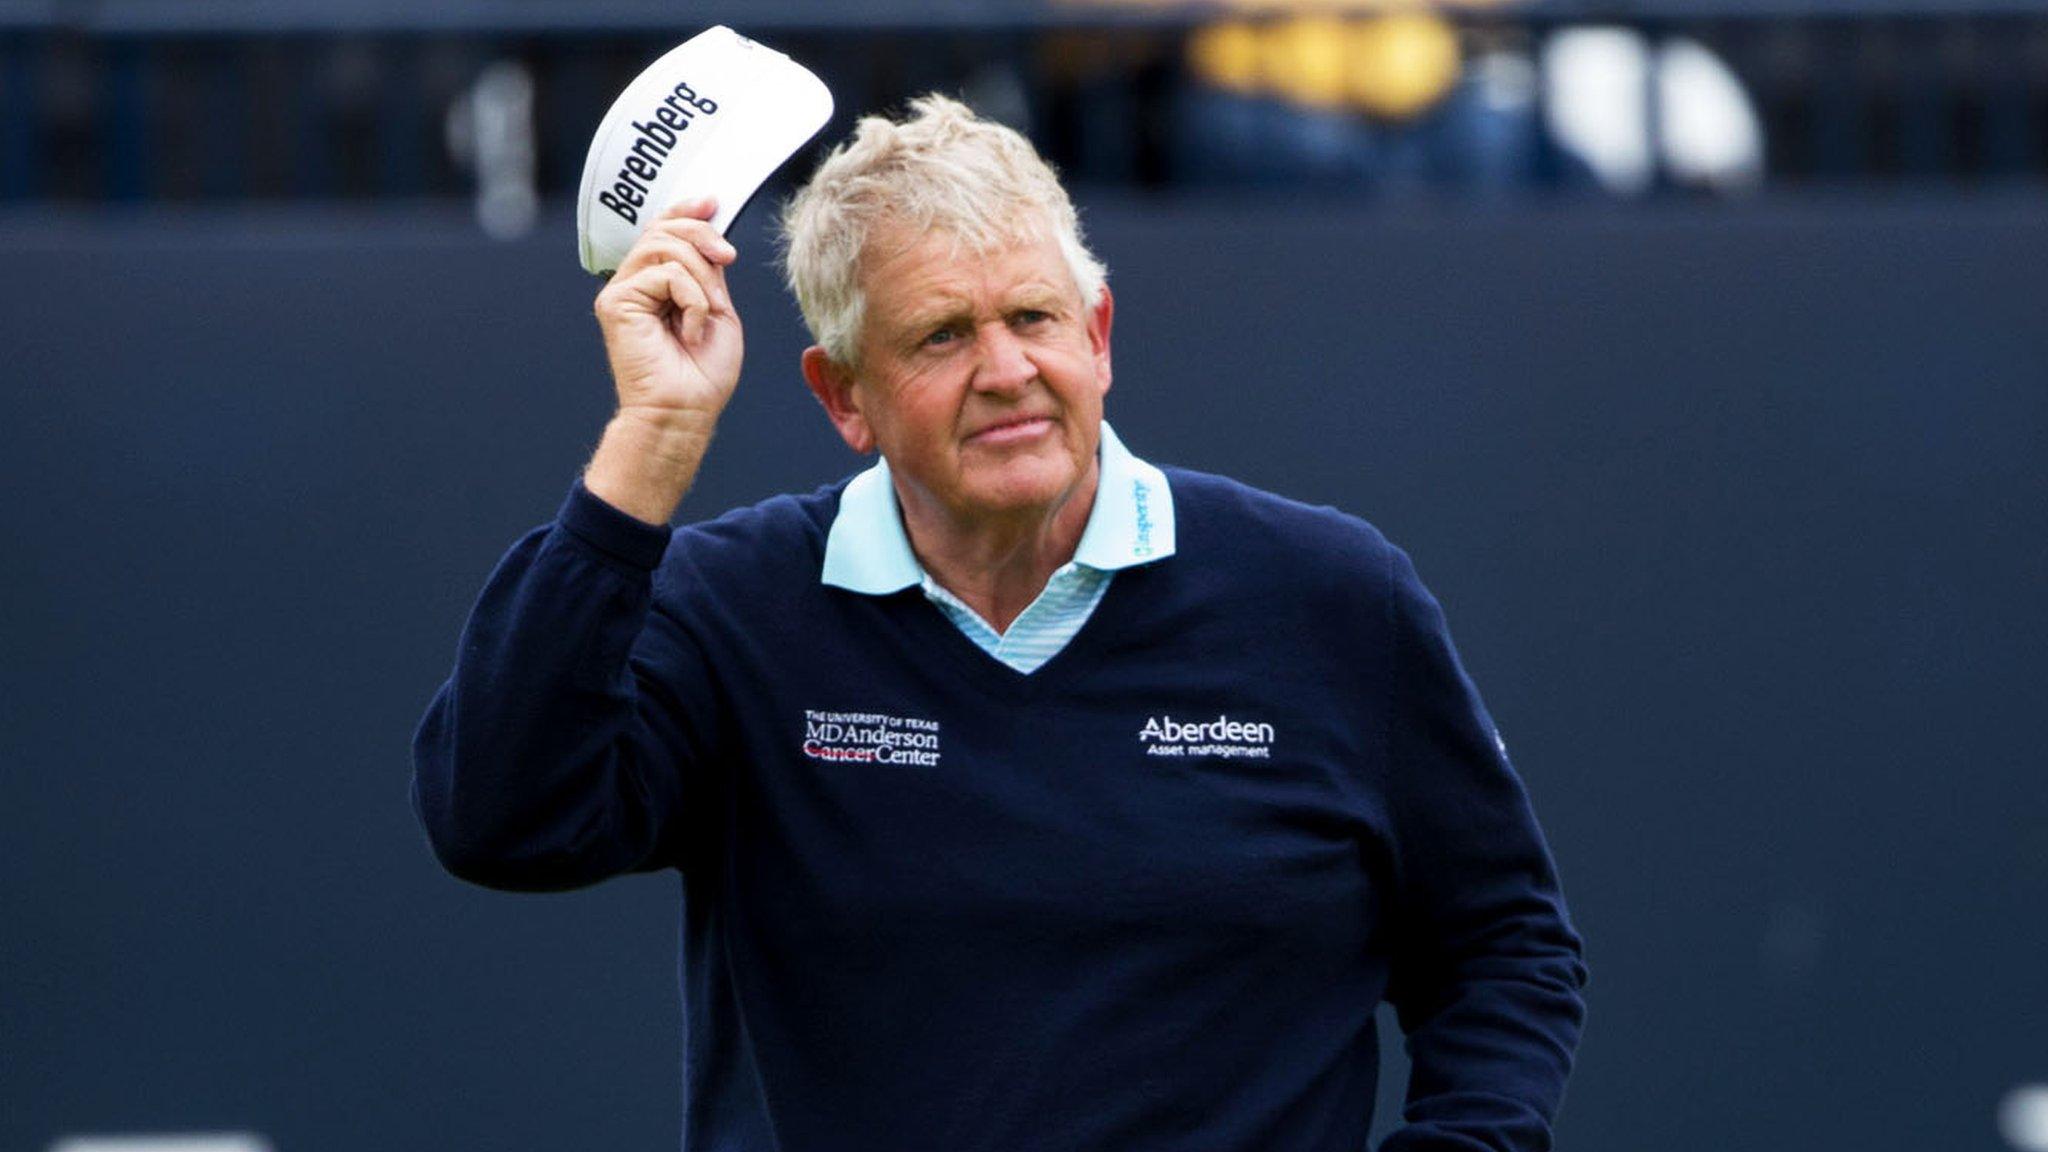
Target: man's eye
{"points": [[1032, 316], [939, 337]]}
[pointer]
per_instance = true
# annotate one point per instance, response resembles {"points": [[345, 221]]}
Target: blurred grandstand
{"points": [[128, 101]]}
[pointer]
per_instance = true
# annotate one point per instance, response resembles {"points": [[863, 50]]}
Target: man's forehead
{"points": [[934, 271]]}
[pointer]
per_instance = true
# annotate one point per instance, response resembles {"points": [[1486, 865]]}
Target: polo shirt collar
{"points": [[868, 551]]}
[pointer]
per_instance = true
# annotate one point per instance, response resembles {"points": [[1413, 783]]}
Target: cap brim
{"points": [[715, 116]]}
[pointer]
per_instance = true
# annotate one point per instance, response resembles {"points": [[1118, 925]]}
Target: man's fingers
{"points": [[685, 240], [652, 290], [698, 234], [699, 207], [657, 249], [696, 316], [708, 277], [683, 290]]}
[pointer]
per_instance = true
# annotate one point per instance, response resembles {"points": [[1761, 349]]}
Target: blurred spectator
{"points": [[1634, 112], [1267, 105], [1357, 102], [1397, 99]]}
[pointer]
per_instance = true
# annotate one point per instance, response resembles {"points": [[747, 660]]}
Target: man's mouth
{"points": [[1012, 431]]}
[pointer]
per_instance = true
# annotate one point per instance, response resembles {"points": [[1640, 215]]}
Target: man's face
{"points": [[980, 378]]}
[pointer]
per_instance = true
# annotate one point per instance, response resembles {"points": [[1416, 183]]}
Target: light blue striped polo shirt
{"points": [[869, 552]]}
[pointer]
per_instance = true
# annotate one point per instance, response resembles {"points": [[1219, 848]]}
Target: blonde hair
{"points": [[940, 170]]}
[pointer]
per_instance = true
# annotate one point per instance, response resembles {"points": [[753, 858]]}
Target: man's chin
{"points": [[1023, 486]]}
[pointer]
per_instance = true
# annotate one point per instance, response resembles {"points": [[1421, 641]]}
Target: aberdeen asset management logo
{"points": [[1223, 736]]}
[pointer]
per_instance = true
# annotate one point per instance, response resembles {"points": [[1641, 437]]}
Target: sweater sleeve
{"points": [[1487, 968], [557, 754]]}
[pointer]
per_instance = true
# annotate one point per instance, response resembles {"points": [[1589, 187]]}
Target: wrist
{"points": [[665, 429], [647, 460]]}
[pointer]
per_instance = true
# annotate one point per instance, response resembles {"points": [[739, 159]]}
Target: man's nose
{"points": [[1002, 365]]}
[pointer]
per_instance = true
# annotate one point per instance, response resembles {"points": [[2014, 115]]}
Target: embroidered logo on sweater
{"points": [[871, 738], [1167, 736]]}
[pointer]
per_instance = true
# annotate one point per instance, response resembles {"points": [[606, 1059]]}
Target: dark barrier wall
{"points": [[1737, 514]]}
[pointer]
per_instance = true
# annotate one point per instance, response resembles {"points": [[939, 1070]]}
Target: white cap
{"points": [[716, 116]]}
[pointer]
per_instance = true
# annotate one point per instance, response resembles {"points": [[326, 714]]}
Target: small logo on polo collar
{"points": [[1223, 736], [1141, 499]]}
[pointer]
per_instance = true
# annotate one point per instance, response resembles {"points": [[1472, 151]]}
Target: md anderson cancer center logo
{"points": [[871, 738], [1223, 736]]}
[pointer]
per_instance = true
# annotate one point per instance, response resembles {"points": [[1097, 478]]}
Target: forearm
{"points": [[538, 764], [1487, 967], [1491, 1035], [541, 763], [647, 461]]}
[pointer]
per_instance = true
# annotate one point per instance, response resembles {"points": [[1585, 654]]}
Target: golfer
{"points": [[1025, 795]]}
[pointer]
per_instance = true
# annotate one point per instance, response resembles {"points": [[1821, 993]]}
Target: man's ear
{"points": [[833, 385], [1098, 334]]}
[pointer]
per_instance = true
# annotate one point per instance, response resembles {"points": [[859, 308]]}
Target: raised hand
{"points": [[675, 346], [669, 326]]}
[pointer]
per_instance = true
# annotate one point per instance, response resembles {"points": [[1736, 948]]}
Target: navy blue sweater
{"points": [[1146, 897]]}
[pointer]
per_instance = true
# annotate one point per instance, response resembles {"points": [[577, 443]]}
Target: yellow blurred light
{"points": [[1227, 56], [1272, 8], [1306, 60], [1401, 64]]}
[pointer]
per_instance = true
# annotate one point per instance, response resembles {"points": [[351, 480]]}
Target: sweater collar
{"points": [[1131, 523]]}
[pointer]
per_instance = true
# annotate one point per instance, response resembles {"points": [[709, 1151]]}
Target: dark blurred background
{"points": [[1695, 348]]}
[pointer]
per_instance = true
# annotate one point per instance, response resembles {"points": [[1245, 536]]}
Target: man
{"points": [[1025, 795]]}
